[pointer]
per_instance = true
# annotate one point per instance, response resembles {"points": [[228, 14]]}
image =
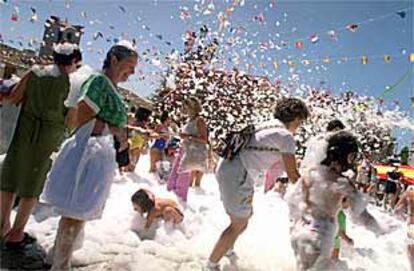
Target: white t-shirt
{"points": [[257, 162]]}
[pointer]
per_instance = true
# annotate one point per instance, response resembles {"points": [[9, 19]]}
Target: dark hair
{"points": [[344, 199], [142, 114], [120, 52], [143, 199], [340, 145], [289, 109], [66, 60], [335, 125], [164, 116]]}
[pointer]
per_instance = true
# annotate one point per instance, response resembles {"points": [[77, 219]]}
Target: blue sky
{"points": [[287, 21]]}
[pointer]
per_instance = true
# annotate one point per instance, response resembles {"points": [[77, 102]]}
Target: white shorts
{"points": [[236, 188]]}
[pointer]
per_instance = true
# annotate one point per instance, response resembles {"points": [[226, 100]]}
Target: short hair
{"points": [[120, 52], [288, 109], [66, 60], [340, 145], [144, 199], [142, 114], [335, 125], [164, 116]]}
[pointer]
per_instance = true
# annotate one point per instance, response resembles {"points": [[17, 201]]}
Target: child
{"points": [[144, 202], [341, 234]]}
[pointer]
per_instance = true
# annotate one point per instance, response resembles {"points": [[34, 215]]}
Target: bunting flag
{"points": [[15, 14], [332, 34], [305, 62], [364, 60], [411, 57], [352, 27], [299, 44], [314, 38], [387, 58], [326, 60], [402, 13], [291, 63], [275, 65]]}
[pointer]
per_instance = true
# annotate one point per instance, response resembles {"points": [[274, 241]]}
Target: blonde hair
{"points": [[194, 105]]}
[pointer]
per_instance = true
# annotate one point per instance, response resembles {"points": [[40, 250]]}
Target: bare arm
{"points": [[402, 203], [289, 161], [17, 93], [71, 117]]}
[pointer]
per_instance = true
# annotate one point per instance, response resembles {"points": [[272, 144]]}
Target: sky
{"points": [[260, 33]]}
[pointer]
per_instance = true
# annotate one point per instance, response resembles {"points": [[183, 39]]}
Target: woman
{"points": [[40, 130], [81, 176], [192, 159], [195, 139], [158, 147]]}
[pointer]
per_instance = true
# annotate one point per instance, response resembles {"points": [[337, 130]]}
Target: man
{"points": [[407, 200], [392, 188], [271, 142]]}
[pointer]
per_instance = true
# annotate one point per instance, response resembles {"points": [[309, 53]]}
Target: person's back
{"points": [[266, 146]]}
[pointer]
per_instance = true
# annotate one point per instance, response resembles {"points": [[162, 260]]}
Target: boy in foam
{"points": [[341, 229], [314, 201], [145, 203]]}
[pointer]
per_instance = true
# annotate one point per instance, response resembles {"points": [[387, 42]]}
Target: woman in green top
{"points": [[40, 130], [341, 233], [79, 181]]}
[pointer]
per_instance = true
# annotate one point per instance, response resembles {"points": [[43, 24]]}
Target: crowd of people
{"points": [[96, 136]]}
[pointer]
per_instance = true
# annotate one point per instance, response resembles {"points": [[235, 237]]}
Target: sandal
{"points": [[27, 240]]}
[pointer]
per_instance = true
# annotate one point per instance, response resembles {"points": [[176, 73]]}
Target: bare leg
{"points": [[198, 176], [228, 238], [154, 158], [66, 236], [192, 178], [6, 200], [16, 233], [410, 252]]}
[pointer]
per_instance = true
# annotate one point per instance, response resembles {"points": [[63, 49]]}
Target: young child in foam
{"points": [[154, 209], [341, 229], [315, 199]]}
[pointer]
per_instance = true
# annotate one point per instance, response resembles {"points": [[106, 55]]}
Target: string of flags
{"points": [[364, 60], [331, 34]]}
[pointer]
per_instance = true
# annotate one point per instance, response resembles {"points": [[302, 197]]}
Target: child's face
{"points": [[345, 204], [137, 208]]}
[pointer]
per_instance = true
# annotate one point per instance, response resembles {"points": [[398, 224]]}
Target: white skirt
{"points": [[79, 181]]}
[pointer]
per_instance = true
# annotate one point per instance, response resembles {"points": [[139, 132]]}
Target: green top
{"points": [[103, 98], [46, 91], [341, 220]]}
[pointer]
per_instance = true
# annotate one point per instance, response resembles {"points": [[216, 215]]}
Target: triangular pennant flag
{"points": [[314, 38], [352, 27], [411, 57], [305, 62], [291, 63], [326, 60], [275, 65], [364, 60], [299, 44], [332, 34], [15, 14], [402, 13], [387, 58]]}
